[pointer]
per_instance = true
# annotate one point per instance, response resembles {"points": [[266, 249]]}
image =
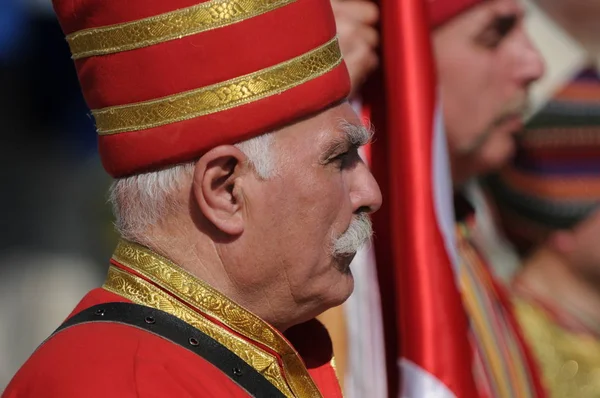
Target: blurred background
{"points": [[57, 232]]}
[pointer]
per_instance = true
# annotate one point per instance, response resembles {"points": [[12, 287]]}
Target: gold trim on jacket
{"points": [[177, 289]]}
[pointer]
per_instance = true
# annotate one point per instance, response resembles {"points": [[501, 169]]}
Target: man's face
{"points": [[485, 65], [297, 216]]}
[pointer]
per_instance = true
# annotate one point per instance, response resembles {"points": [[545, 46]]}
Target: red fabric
{"points": [[197, 61], [317, 352], [84, 14], [416, 276], [441, 11], [131, 153], [112, 360], [206, 58]]}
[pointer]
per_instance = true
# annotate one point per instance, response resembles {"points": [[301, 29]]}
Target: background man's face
{"points": [[485, 65]]}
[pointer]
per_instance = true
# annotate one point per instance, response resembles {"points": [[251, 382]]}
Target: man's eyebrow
{"points": [[503, 21], [353, 135], [356, 134]]}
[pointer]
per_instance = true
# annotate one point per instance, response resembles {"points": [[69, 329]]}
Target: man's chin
{"points": [[345, 289], [342, 263], [498, 154]]}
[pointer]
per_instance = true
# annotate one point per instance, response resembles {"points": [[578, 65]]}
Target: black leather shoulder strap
{"points": [[175, 330]]}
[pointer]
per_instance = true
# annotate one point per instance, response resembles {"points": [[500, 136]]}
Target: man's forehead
{"points": [[484, 15], [339, 122]]}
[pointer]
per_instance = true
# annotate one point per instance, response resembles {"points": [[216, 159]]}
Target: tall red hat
{"points": [[169, 80], [441, 11]]}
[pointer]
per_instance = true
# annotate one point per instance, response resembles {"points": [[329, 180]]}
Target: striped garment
{"points": [[502, 363], [554, 180]]}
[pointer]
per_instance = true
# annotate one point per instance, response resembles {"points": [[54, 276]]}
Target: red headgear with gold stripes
{"points": [[441, 11], [169, 80]]}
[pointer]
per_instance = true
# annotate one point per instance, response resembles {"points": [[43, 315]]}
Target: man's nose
{"points": [[365, 194], [531, 66]]}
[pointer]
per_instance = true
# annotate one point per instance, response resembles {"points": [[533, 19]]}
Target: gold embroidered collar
{"points": [[178, 290]]}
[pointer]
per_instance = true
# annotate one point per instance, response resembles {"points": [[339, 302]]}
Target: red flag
{"points": [[426, 326]]}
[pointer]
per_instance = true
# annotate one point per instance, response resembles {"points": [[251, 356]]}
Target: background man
{"points": [[565, 32], [485, 64], [232, 236]]}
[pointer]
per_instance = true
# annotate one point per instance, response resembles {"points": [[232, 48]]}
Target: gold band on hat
{"points": [[218, 97], [169, 26]]}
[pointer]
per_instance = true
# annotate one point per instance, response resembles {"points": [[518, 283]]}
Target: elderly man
{"points": [[234, 238], [485, 64]]}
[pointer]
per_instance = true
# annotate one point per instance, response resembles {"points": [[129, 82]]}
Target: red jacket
{"points": [[115, 360]]}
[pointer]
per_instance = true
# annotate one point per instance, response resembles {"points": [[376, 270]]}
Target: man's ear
{"points": [[216, 188]]}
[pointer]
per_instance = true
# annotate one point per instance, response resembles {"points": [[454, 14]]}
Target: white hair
{"points": [[143, 200], [356, 236]]}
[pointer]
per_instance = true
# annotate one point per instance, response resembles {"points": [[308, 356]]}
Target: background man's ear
{"points": [[216, 190]]}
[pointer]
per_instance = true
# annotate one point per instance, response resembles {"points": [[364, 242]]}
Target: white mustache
{"points": [[358, 234]]}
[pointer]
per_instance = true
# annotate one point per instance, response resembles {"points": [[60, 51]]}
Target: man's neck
{"points": [[201, 258], [548, 276]]}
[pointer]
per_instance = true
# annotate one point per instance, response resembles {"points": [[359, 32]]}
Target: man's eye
{"points": [[493, 36], [338, 160], [346, 159]]}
